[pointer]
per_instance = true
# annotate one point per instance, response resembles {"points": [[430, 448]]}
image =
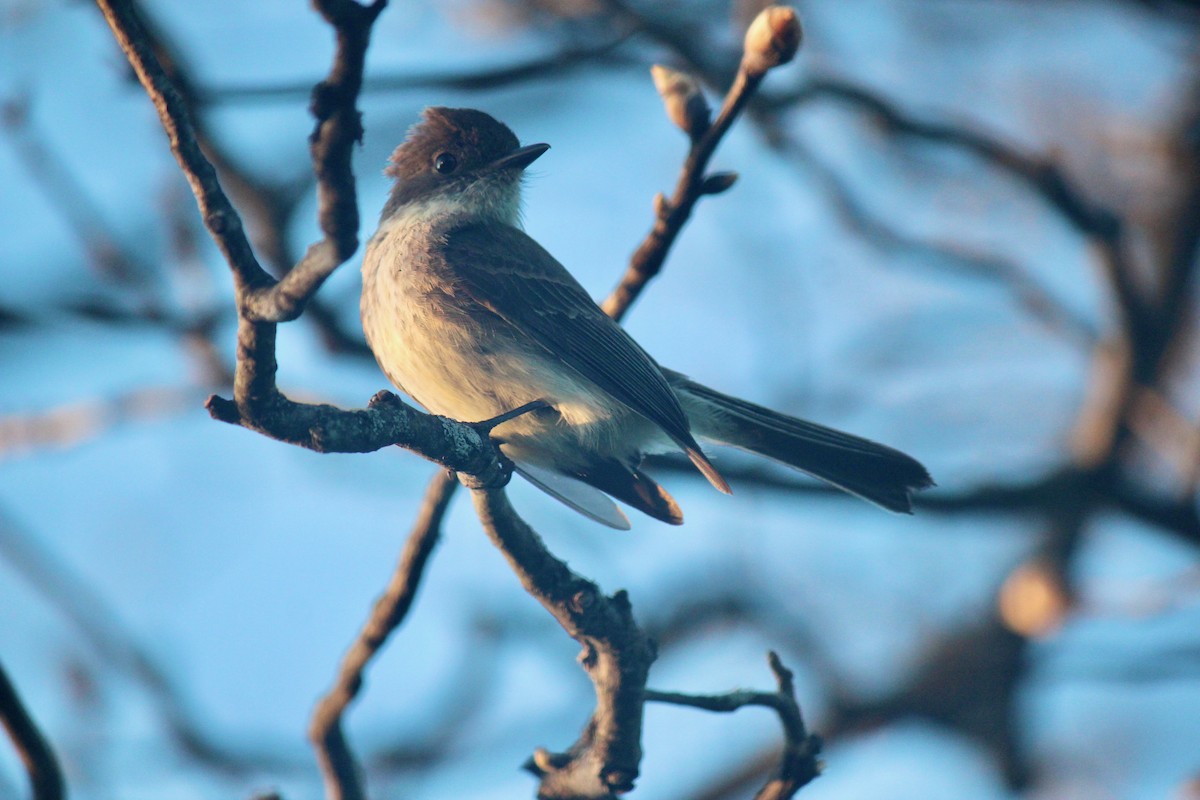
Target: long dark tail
{"points": [[872, 471]]}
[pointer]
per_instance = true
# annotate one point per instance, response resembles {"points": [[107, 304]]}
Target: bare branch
{"points": [[671, 215], [45, 776], [258, 404], [76, 422], [100, 628], [342, 778], [108, 256], [267, 207], [616, 654], [799, 764], [219, 215], [552, 66]]}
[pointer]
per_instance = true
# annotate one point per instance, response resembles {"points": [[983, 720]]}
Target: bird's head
{"points": [[459, 162]]}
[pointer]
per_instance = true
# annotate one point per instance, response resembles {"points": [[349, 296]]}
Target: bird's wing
{"points": [[510, 274]]}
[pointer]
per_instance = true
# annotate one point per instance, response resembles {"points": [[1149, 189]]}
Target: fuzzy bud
{"points": [[661, 207], [772, 39], [683, 99]]}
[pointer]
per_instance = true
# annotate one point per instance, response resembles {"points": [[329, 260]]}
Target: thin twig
{"points": [[342, 774], [671, 215], [799, 764], [45, 775]]}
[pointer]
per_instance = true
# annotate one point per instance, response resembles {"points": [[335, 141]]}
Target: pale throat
{"points": [[483, 201]]}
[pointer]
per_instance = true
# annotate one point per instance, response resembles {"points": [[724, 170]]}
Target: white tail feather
{"points": [[589, 501]]}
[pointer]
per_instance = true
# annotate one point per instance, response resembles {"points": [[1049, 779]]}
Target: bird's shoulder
{"points": [[507, 253]]}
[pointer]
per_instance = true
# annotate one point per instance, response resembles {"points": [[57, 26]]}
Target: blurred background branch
{"points": [[45, 776], [992, 247]]}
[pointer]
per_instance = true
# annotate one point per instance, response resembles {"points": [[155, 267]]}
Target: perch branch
{"points": [[616, 654]]}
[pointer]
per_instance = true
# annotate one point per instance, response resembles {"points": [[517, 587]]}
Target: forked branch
{"points": [[261, 300], [799, 763]]}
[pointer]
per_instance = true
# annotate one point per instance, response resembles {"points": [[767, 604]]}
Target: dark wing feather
{"points": [[507, 272]]}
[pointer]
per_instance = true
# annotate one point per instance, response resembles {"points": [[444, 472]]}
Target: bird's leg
{"points": [[484, 427], [487, 425]]}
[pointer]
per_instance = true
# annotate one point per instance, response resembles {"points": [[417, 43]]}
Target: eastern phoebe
{"points": [[472, 318]]}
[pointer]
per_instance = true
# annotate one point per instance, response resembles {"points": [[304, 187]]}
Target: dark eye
{"points": [[445, 163]]}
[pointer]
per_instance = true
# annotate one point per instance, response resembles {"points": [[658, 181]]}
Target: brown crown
{"points": [[473, 137]]}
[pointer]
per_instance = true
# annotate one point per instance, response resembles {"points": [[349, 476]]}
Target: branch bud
{"points": [[718, 182], [684, 100], [661, 207], [771, 40]]}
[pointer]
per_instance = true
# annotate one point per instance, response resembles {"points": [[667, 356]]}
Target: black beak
{"points": [[520, 158]]}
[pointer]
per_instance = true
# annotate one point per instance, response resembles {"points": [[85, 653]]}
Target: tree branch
{"points": [[342, 774], [262, 302], [671, 215], [553, 66], [45, 776], [616, 654], [799, 764], [219, 215], [267, 207]]}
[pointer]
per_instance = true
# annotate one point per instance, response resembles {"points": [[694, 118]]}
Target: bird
{"points": [[473, 319]]}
